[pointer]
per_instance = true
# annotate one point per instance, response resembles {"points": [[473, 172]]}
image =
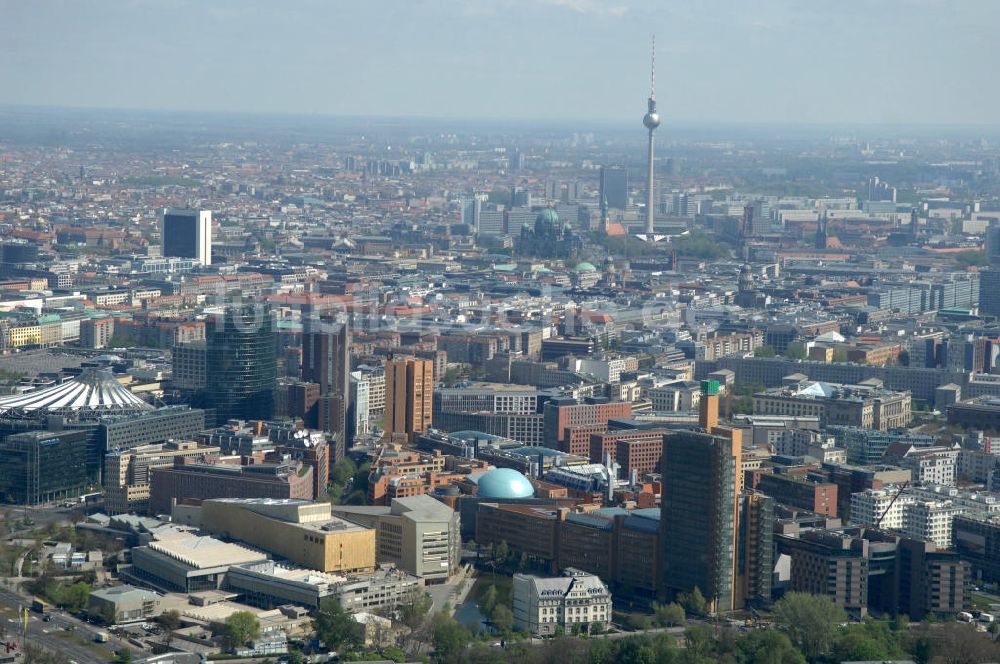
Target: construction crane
{"points": [[902, 488]]}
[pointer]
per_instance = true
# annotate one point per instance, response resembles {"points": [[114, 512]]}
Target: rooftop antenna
{"points": [[652, 71]]}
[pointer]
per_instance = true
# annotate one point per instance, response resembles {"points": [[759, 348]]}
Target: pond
{"points": [[468, 612]]}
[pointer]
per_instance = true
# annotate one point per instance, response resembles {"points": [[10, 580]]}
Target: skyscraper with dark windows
{"points": [[614, 186], [699, 516], [187, 234], [326, 361], [241, 362]]}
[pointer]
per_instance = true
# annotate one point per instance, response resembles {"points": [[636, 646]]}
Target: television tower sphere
{"points": [[652, 118]]}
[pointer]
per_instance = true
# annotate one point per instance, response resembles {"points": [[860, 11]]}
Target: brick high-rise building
{"points": [[302, 400], [409, 397], [326, 361]]}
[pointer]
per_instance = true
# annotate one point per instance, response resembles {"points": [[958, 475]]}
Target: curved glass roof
{"points": [[94, 392]]}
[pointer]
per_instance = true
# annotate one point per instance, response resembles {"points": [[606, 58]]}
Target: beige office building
{"points": [[418, 534], [301, 531]]}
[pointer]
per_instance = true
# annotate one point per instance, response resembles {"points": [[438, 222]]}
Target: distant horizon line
{"points": [[603, 122]]}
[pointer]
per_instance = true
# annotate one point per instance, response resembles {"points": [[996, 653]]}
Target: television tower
{"points": [[651, 120]]}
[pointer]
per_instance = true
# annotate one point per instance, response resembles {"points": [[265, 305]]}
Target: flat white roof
{"points": [[205, 552]]}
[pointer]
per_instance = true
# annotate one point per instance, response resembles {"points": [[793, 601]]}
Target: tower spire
{"points": [[652, 71]]}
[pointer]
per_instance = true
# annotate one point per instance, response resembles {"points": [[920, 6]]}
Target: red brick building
{"points": [[197, 479], [796, 491], [561, 414]]}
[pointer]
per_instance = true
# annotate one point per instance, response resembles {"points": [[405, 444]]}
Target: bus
{"points": [[101, 637], [40, 606]]}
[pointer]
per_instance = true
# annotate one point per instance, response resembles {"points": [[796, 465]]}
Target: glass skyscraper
{"points": [[241, 362], [698, 516]]}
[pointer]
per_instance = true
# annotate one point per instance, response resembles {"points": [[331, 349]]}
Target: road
{"points": [[54, 636]]}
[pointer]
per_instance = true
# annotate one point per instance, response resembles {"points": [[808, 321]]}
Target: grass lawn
{"points": [[980, 602]]}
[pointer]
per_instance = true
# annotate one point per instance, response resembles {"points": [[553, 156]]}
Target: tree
{"points": [[668, 615], [108, 616], [795, 351], [960, 643], [296, 657], [122, 656], [414, 607], [743, 405], [335, 627], [75, 597], [699, 640], [356, 497], [343, 471], [854, 646], [488, 600], [768, 646], [502, 618], [809, 620], [764, 351], [694, 602], [922, 649], [170, 621], [502, 552], [241, 627], [450, 638]]}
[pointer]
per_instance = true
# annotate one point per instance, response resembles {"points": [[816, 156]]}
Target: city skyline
{"points": [[574, 60]]}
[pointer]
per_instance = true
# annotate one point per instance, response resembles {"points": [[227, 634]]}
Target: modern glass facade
{"points": [[41, 466], [698, 516], [241, 358]]}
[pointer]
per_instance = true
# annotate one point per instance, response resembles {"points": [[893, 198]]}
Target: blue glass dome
{"points": [[504, 483]]}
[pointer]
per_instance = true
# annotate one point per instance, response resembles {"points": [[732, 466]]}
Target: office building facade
{"points": [[417, 534], [326, 361], [409, 397], [187, 233], [241, 363], [614, 186], [699, 516], [42, 466]]}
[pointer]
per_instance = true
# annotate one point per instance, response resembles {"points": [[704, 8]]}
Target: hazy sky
{"points": [[816, 61]]}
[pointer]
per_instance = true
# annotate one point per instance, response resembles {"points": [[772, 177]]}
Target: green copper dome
{"points": [[548, 215]]}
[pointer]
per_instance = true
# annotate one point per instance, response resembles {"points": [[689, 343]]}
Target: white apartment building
{"points": [[543, 603], [871, 505], [608, 370], [679, 396], [933, 465], [930, 520], [970, 502]]}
